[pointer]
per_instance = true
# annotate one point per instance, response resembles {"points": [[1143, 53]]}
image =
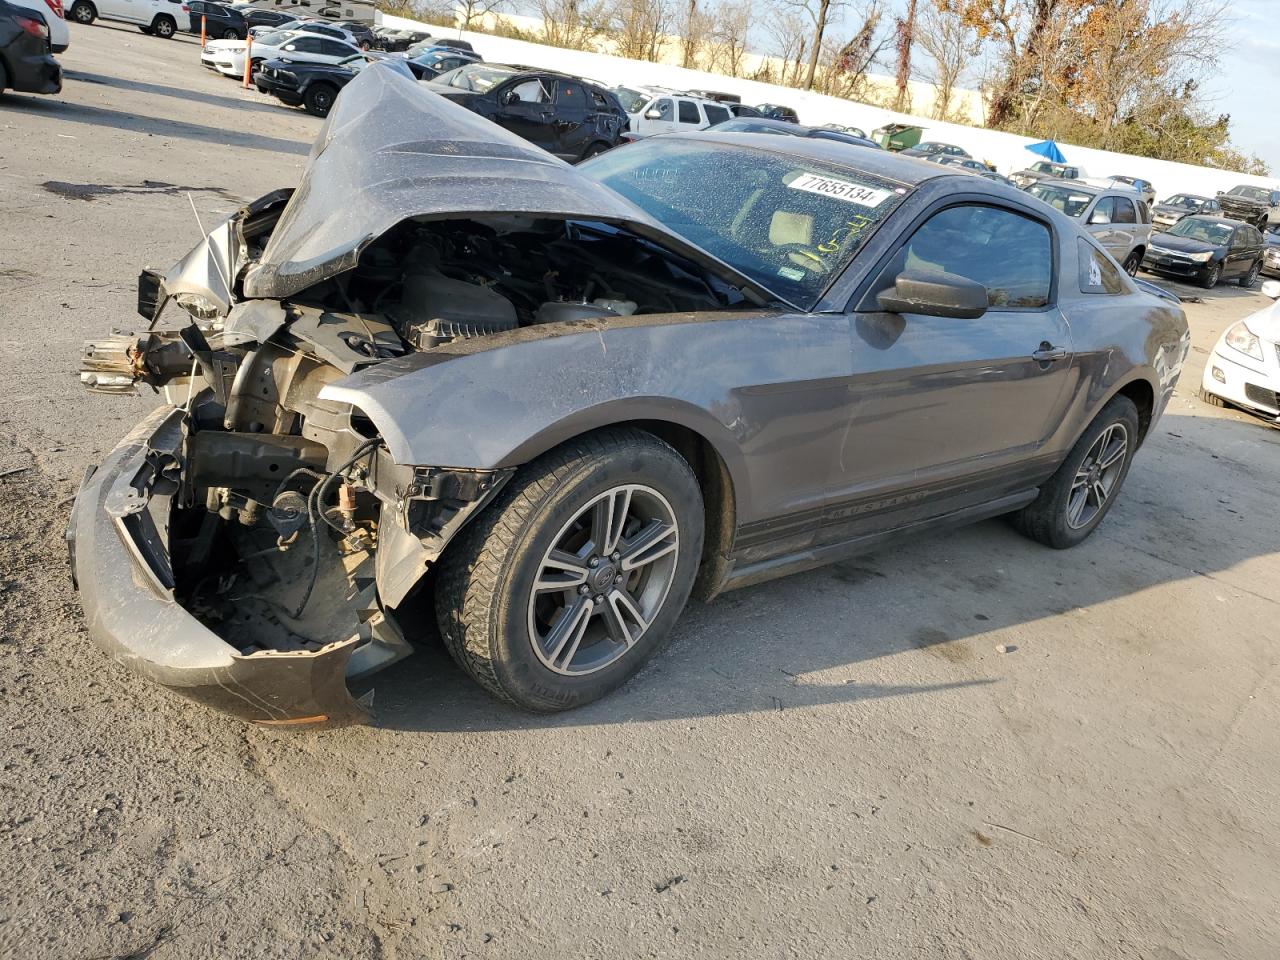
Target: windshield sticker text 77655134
{"points": [[845, 190]]}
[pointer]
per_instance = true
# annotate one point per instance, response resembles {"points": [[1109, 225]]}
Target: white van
{"points": [[653, 110], [157, 17]]}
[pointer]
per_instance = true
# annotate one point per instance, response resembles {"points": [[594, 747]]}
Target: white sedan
{"points": [[227, 56], [1244, 368]]}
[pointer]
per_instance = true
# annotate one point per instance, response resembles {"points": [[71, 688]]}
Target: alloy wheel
{"points": [[1097, 476], [82, 12], [603, 580]]}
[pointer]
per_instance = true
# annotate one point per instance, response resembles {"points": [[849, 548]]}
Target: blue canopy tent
{"points": [[1047, 149]]}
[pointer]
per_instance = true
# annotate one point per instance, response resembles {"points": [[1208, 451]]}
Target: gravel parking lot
{"points": [[838, 764]]}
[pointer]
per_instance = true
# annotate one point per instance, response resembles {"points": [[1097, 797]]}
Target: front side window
{"points": [[527, 91], [477, 77], [789, 223], [1009, 254], [666, 109]]}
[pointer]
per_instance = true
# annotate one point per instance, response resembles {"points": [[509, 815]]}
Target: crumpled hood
{"points": [[391, 149]]}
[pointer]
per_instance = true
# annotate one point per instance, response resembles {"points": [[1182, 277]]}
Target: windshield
{"points": [[476, 77], [1219, 234], [631, 99], [788, 223], [1053, 169], [1069, 201], [274, 39], [1184, 200], [1251, 193]]}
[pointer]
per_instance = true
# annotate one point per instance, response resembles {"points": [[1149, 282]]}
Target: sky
{"points": [[1249, 82], [1247, 88]]}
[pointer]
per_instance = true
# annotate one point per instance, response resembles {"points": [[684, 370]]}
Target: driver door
{"points": [[943, 413], [525, 108]]}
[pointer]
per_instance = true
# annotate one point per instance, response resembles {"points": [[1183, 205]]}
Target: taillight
{"points": [[56, 7], [34, 27]]}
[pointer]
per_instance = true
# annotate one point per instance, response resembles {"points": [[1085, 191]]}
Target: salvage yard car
{"points": [[1117, 218], [1259, 206], [27, 64], [564, 115], [1244, 368], [1206, 250], [1168, 212], [159, 18], [557, 401]]}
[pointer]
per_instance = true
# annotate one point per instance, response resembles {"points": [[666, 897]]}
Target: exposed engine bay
{"points": [[278, 519]]}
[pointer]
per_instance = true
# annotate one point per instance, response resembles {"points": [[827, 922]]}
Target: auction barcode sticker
{"points": [[844, 190]]}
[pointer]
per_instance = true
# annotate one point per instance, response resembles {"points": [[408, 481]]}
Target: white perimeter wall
{"points": [[1005, 150]]}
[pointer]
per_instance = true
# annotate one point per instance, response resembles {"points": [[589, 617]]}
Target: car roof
{"points": [[882, 163], [1084, 187]]}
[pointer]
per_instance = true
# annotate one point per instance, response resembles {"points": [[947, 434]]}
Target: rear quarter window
{"points": [[1098, 274]]}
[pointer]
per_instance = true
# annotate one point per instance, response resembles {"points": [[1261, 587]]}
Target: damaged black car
{"points": [[556, 402]]}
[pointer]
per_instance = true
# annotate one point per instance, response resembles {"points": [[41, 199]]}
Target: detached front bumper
{"points": [[117, 540]]}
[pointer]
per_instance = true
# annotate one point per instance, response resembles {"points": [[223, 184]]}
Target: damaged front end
{"points": [[247, 543]]}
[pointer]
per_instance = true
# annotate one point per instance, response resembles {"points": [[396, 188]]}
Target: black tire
{"points": [[1132, 262], [485, 600], [1047, 518], [1250, 278], [1212, 277], [83, 12], [4, 79], [164, 27], [319, 98], [1212, 399], [231, 34]]}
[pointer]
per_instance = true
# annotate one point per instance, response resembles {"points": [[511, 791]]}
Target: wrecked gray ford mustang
{"points": [[555, 402]]}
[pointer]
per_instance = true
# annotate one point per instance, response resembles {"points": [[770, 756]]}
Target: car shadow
{"points": [[159, 126], [1194, 293], [819, 637], [162, 90]]}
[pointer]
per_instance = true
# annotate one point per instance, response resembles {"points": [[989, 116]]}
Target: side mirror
{"points": [[935, 294], [1271, 288], [653, 113]]}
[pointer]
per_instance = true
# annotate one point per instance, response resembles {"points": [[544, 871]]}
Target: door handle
{"points": [[1048, 353]]}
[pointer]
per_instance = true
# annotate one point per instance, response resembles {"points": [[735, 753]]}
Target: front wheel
{"points": [[1250, 278], [1132, 262], [1076, 498], [1212, 277], [164, 27], [560, 590], [318, 99]]}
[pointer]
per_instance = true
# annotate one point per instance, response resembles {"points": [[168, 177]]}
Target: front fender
{"points": [[499, 401]]}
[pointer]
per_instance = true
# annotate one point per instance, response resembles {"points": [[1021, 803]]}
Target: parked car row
{"points": [[658, 110]]}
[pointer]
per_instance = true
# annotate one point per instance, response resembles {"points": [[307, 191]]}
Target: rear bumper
{"points": [[120, 565], [34, 72]]}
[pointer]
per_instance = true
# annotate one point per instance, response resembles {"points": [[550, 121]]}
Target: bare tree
{"points": [[845, 66], [821, 13], [727, 44], [951, 45], [694, 27], [471, 14], [904, 35], [789, 30], [571, 24], [639, 29]]}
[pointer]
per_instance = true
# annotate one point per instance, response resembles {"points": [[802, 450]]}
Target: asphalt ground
{"points": [[838, 764]]}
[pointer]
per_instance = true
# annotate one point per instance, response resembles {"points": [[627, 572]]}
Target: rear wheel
{"points": [[563, 587], [1212, 277], [83, 12], [1250, 278], [1132, 262], [231, 35], [1076, 498], [164, 27], [319, 98]]}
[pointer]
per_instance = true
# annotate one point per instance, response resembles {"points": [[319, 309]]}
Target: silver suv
{"points": [[1118, 218]]}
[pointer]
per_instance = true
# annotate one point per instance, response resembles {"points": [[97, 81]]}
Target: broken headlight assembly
{"points": [[1242, 340]]}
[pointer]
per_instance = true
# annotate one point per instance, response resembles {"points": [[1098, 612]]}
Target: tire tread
{"points": [[473, 567]]}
